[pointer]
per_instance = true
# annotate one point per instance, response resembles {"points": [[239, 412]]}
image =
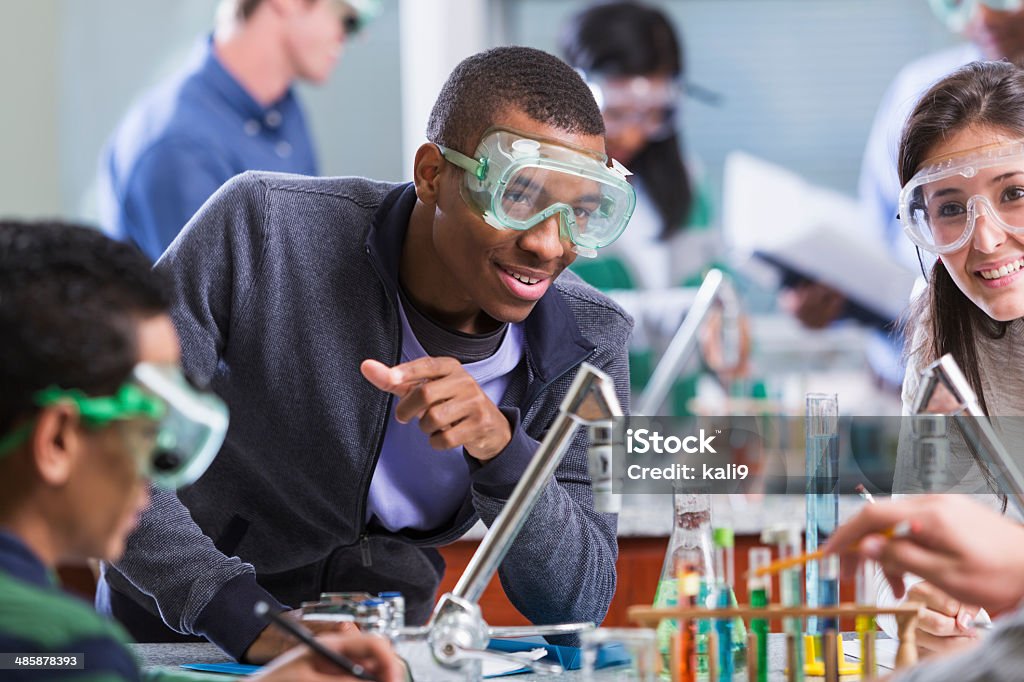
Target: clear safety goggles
{"points": [[957, 13], [517, 181], [648, 104], [355, 14], [942, 202], [173, 429]]}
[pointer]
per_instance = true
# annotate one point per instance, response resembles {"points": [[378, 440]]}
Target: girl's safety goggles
{"points": [[648, 104], [180, 429], [957, 13], [517, 181], [941, 204]]}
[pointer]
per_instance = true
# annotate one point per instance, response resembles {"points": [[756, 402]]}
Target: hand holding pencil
{"points": [[901, 529], [972, 553], [330, 657]]}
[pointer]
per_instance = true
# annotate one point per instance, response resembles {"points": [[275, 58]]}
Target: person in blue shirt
{"points": [[232, 108], [93, 402]]}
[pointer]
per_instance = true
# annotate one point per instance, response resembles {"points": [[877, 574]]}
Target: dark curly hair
{"points": [[483, 86], [69, 297]]}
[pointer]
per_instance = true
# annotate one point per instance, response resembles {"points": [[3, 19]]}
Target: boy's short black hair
{"points": [[483, 86], [69, 299]]}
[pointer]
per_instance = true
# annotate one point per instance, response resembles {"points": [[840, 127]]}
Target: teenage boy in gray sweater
{"points": [[391, 356]]}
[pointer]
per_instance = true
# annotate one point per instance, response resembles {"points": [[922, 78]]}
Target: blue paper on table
{"points": [[569, 657], [224, 668]]}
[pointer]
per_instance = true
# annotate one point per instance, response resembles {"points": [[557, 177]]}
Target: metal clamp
{"points": [[453, 644], [715, 288], [978, 433]]}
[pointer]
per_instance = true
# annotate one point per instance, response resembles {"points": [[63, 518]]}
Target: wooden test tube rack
{"points": [[906, 619]]}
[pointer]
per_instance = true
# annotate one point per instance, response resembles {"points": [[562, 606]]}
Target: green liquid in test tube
{"points": [[760, 588], [732, 633]]}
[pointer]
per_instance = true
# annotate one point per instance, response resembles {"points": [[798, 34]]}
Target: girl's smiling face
{"points": [[989, 269]]}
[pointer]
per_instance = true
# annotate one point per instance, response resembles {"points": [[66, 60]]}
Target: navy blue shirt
{"points": [[37, 617], [186, 138]]}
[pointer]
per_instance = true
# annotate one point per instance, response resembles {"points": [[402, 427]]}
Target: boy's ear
{"points": [[427, 170], [56, 443]]}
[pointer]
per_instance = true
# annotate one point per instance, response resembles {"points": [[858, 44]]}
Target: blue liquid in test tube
{"points": [[822, 499]]}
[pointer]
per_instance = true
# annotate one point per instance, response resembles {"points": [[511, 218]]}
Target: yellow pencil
{"points": [[901, 529]]}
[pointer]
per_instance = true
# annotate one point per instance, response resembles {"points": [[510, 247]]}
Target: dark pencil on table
{"points": [[296, 630]]}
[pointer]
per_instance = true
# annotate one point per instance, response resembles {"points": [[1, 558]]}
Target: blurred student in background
{"points": [[632, 59], [232, 108]]}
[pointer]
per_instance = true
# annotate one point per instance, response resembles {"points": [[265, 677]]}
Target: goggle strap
{"points": [[15, 438], [130, 401], [478, 168]]}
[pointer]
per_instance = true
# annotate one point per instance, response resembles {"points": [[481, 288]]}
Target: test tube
{"points": [[724, 567], [787, 539], [865, 624], [829, 592], [689, 573], [822, 470], [724, 538], [760, 589]]}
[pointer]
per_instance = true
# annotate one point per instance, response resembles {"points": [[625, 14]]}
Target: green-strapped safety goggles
{"points": [[957, 13], [517, 181], [356, 14], [190, 424]]}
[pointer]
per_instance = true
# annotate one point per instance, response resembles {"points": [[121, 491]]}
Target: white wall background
{"points": [[29, 146], [800, 80]]}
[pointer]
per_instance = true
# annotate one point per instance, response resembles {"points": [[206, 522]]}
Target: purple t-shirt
{"points": [[415, 486]]}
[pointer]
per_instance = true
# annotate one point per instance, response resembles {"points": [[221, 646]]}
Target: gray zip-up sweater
{"points": [[283, 285]]}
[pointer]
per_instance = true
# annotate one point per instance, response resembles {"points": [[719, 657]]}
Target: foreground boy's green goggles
{"points": [[517, 181], [190, 425]]}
